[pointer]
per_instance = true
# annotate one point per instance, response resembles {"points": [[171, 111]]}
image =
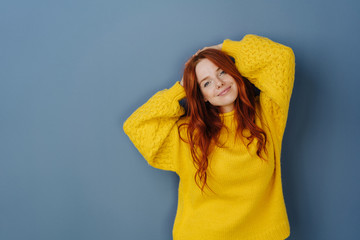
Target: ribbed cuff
{"points": [[231, 48], [176, 92], [235, 48]]}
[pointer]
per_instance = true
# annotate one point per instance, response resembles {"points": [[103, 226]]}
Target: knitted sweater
{"points": [[247, 201]]}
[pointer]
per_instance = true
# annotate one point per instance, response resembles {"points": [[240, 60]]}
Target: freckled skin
{"points": [[216, 81]]}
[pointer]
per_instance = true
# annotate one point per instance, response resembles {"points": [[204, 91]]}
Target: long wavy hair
{"points": [[204, 122]]}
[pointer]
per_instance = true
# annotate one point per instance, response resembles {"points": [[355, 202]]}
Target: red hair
{"points": [[204, 125]]}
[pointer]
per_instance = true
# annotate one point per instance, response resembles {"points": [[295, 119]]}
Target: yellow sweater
{"points": [[248, 201]]}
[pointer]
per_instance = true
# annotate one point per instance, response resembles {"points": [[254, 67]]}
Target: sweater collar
{"points": [[228, 114]]}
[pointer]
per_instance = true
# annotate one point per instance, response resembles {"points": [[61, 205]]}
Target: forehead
{"points": [[205, 68]]}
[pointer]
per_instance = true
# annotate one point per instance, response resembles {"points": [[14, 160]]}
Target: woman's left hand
{"points": [[218, 47]]}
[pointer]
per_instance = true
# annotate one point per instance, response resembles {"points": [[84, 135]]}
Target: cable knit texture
{"points": [[246, 201]]}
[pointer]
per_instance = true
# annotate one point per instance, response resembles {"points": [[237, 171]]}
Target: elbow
{"points": [[288, 59], [290, 54], [126, 127]]}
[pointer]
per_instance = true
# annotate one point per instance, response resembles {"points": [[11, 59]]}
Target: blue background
{"points": [[71, 72]]}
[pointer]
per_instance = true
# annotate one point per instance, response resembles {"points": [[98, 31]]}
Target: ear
{"points": [[205, 99]]}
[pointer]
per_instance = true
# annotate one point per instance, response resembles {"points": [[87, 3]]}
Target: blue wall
{"points": [[71, 72]]}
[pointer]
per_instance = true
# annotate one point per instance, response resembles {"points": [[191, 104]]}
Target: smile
{"points": [[225, 91]]}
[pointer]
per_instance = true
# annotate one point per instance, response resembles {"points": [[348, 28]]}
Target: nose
{"points": [[219, 83]]}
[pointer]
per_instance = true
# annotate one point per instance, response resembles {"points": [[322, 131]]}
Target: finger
{"points": [[198, 51]]}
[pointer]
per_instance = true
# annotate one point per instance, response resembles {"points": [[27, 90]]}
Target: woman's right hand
{"points": [[182, 82]]}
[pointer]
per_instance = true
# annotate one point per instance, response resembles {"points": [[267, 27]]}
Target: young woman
{"points": [[226, 147]]}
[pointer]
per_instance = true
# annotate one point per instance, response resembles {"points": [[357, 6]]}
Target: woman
{"points": [[226, 148]]}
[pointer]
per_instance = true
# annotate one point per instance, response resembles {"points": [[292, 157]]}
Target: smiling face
{"points": [[217, 87]]}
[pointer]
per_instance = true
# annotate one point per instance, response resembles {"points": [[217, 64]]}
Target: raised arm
{"points": [[270, 66], [152, 127]]}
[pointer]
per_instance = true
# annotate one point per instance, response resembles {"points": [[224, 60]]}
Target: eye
{"points": [[207, 83], [222, 72]]}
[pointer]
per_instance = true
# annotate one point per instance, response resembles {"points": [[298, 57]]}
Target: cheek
{"points": [[236, 93], [230, 79], [206, 94]]}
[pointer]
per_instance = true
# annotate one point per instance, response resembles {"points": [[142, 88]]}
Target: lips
{"points": [[225, 91]]}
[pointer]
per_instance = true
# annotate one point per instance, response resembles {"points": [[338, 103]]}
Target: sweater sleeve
{"points": [[270, 66], [153, 130]]}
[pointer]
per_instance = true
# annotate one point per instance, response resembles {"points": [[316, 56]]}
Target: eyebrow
{"points": [[208, 76]]}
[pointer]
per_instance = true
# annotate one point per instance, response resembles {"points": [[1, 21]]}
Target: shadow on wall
{"points": [[302, 107]]}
